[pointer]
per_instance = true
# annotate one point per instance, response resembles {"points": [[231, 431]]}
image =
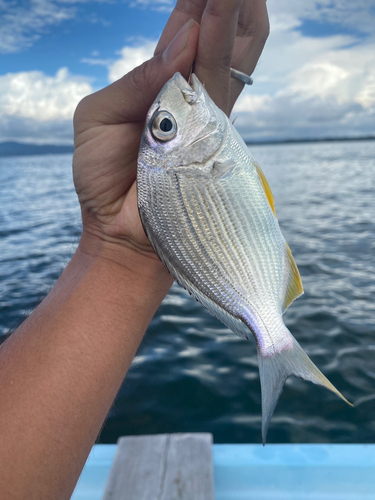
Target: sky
{"points": [[315, 79]]}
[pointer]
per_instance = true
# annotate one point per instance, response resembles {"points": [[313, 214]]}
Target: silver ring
{"points": [[243, 77]]}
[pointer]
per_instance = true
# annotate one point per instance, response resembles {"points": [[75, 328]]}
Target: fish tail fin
{"points": [[274, 370]]}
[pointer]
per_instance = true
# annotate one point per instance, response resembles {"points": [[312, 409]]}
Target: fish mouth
{"points": [[196, 85], [190, 92], [181, 83]]}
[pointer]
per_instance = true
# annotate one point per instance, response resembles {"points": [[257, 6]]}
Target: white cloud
{"points": [[35, 106], [347, 74], [253, 103], [366, 95], [158, 5], [137, 52], [131, 56], [285, 118], [40, 97], [358, 15], [310, 86], [22, 24], [304, 86], [94, 61]]}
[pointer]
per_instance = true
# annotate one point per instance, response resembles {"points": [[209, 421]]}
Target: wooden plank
{"points": [[162, 467], [189, 474], [137, 469]]}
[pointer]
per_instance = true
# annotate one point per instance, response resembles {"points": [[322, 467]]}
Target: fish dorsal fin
{"points": [[267, 189], [294, 286]]}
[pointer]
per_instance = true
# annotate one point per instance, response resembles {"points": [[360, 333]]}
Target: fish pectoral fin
{"points": [[220, 168], [274, 370]]}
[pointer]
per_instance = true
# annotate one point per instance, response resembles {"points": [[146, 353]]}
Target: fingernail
{"points": [[178, 43]]}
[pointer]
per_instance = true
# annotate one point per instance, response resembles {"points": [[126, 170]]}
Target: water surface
{"points": [[191, 373]]}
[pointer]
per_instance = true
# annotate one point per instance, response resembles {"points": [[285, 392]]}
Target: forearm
{"points": [[60, 371]]}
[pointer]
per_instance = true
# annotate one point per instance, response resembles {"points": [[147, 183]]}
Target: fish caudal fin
{"points": [[274, 370]]}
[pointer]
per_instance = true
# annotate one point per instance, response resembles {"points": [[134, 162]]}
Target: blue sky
{"points": [[316, 77]]}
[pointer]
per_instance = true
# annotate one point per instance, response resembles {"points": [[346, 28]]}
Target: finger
{"points": [[252, 33], [181, 14], [215, 49], [129, 98]]}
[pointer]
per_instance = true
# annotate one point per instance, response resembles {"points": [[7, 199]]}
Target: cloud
{"points": [[94, 61], [358, 16], [307, 85], [27, 130], [284, 117], [22, 24], [304, 85], [252, 103], [348, 75], [131, 56], [40, 97], [321, 86], [35, 107], [158, 5], [38, 107]]}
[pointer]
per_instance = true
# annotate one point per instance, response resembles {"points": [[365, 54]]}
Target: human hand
{"points": [[232, 34], [109, 124]]}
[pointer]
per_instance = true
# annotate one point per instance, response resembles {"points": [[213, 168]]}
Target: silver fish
{"points": [[208, 212]]}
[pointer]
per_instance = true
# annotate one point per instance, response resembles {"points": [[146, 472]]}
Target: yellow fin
{"points": [[266, 188], [294, 287]]}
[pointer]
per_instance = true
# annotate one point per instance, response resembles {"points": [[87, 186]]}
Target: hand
{"points": [[232, 34], [108, 124]]}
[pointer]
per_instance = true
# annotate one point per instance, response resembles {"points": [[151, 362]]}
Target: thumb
{"points": [[129, 98]]}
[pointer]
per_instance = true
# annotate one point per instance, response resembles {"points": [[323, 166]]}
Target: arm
{"points": [[61, 370]]}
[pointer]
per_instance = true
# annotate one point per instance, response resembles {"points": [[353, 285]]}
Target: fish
{"points": [[209, 214]]}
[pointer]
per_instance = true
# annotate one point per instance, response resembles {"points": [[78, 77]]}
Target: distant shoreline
{"points": [[26, 149], [13, 148]]}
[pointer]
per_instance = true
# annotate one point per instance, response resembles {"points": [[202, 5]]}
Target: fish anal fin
{"points": [[275, 369], [267, 189], [294, 286]]}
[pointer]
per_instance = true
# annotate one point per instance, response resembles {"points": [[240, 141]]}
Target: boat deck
{"points": [[273, 472]]}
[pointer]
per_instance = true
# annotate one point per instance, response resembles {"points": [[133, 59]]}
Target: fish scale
{"points": [[246, 238], [208, 212]]}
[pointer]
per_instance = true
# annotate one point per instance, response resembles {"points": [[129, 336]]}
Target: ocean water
{"points": [[191, 373]]}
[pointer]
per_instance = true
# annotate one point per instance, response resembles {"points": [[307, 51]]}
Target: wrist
{"points": [[139, 261]]}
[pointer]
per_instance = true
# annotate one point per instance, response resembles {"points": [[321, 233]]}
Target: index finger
{"points": [[181, 14], [215, 49], [252, 32]]}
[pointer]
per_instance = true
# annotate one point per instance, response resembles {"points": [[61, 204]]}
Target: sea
{"points": [[192, 374]]}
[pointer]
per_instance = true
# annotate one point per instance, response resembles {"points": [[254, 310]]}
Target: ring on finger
{"points": [[239, 75]]}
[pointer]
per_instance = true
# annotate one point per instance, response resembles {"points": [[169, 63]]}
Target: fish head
{"points": [[183, 126]]}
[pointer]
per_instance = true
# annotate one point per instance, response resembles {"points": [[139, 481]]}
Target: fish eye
{"points": [[163, 126]]}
